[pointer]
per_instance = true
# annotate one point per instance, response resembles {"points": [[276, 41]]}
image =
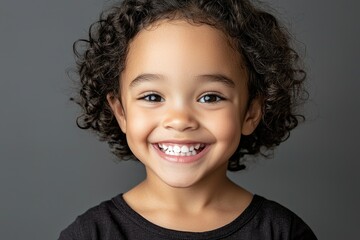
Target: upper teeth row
{"points": [[180, 148]]}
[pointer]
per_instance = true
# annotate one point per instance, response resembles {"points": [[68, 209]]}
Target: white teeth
{"points": [[169, 152], [178, 150], [184, 149], [163, 146]]}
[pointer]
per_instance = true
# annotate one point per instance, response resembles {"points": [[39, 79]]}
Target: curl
{"points": [[275, 75]]}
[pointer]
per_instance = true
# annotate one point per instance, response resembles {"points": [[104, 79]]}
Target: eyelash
{"points": [[207, 98], [152, 97]]}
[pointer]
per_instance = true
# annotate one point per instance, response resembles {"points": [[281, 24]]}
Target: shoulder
{"points": [[95, 223], [276, 218], [272, 210]]}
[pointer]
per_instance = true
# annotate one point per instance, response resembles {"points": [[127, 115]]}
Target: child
{"points": [[188, 88]]}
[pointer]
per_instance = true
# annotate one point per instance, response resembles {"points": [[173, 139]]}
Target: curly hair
{"points": [[275, 75]]}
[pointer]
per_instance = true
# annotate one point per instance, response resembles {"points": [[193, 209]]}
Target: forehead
{"points": [[177, 47]]}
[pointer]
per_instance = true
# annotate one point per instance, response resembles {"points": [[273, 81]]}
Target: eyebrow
{"points": [[207, 77], [144, 78], [218, 78]]}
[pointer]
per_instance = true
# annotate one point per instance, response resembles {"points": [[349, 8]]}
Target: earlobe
{"points": [[252, 117], [117, 110]]}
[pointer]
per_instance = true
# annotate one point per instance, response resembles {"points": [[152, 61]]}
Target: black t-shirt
{"points": [[115, 220]]}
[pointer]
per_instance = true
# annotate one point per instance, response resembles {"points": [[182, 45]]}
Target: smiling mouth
{"points": [[181, 149]]}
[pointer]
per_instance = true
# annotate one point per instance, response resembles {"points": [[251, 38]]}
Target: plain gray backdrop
{"points": [[51, 171]]}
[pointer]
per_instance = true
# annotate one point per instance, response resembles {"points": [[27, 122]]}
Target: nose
{"points": [[182, 119]]}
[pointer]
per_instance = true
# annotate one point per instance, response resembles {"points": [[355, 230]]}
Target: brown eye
{"points": [[210, 98], [153, 98]]}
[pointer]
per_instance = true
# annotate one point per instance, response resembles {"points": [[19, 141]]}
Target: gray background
{"points": [[51, 171]]}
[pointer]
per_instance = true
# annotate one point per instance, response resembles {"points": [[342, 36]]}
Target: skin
{"points": [[185, 85]]}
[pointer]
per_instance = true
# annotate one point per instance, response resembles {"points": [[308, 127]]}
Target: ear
{"points": [[118, 110], [252, 117]]}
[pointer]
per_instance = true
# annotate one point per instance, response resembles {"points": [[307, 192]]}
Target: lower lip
{"points": [[181, 159]]}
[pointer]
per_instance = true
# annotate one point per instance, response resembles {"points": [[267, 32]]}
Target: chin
{"points": [[181, 182]]}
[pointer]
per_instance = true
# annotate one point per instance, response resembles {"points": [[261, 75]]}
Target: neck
{"points": [[206, 193]]}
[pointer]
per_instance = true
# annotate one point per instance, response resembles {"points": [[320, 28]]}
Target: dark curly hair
{"points": [[272, 64]]}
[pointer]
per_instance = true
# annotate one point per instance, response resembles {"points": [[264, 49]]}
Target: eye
{"points": [[211, 98], [153, 97]]}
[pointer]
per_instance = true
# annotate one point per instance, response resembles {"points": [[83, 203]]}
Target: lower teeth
{"points": [[192, 153]]}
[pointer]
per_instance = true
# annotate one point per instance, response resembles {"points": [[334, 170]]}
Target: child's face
{"points": [[184, 88]]}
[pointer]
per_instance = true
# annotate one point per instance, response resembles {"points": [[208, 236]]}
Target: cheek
{"points": [[137, 134], [226, 127], [139, 126]]}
